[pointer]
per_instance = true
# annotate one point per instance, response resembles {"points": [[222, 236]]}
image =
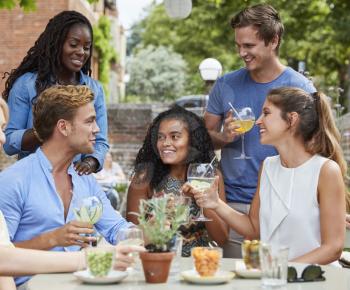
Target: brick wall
{"points": [[19, 30], [128, 124]]}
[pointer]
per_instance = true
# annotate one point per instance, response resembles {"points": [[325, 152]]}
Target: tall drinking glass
{"points": [[201, 176], [89, 210], [132, 237], [245, 119]]}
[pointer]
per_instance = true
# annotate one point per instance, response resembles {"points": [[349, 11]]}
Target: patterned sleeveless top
{"points": [[195, 233]]}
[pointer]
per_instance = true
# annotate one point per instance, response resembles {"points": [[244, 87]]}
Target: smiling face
{"points": [[76, 48], [272, 127], [173, 142], [252, 49], [83, 130]]}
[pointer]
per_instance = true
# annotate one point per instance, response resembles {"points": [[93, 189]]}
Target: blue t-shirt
{"points": [[237, 87]]}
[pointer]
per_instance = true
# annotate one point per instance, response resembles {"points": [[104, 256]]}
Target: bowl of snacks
{"points": [[206, 260], [250, 254], [100, 260]]}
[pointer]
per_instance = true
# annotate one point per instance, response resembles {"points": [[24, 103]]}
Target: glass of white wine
{"points": [[201, 176], [245, 119], [132, 236]]}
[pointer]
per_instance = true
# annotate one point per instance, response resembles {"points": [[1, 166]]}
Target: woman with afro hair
{"points": [[61, 55], [175, 139]]}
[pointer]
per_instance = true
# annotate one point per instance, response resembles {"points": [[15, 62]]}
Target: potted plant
{"points": [[160, 219]]}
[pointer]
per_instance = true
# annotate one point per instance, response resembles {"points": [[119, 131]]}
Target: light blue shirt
{"points": [[32, 206], [21, 116], [237, 87]]}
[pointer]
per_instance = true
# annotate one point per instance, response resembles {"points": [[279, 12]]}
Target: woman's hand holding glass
{"points": [[208, 198]]}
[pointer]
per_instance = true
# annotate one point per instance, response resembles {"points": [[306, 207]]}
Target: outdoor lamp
{"points": [[210, 69], [178, 9]]}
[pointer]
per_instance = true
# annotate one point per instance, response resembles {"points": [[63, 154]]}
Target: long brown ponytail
{"points": [[316, 122], [326, 139]]}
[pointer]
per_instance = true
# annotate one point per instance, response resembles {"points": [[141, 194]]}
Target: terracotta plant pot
{"points": [[156, 266]]}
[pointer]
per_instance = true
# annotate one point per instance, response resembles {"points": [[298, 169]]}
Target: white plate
{"points": [[242, 271], [219, 278], [113, 277]]}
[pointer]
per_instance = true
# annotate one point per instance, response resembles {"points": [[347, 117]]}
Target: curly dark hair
{"points": [[45, 56], [148, 165]]}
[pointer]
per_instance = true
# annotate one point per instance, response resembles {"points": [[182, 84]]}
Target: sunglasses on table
{"points": [[312, 273]]}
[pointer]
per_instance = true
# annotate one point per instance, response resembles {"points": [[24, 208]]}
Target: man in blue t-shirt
{"points": [[258, 33]]}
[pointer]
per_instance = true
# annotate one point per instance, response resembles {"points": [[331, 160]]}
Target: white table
{"points": [[336, 279]]}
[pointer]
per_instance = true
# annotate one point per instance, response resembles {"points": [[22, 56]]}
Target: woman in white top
{"points": [[16, 261], [300, 198]]}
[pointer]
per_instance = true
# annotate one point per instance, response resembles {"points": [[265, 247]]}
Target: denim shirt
{"points": [[32, 206], [21, 116]]}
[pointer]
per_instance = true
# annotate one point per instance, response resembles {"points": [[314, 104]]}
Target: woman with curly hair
{"points": [[175, 139], [61, 55]]}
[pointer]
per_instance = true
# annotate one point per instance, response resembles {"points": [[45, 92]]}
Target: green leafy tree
{"points": [[27, 5], [156, 73], [134, 39], [317, 32], [106, 52]]}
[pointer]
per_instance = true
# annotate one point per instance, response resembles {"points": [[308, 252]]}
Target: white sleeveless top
{"points": [[289, 210], [4, 234]]}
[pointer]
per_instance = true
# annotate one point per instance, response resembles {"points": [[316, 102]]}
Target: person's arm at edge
{"points": [[331, 198], [7, 283], [217, 228], [18, 262]]}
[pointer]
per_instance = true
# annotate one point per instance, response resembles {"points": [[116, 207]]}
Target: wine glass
{"points": [[201, 176], [132, 236], [245, 119], [89, 210]]}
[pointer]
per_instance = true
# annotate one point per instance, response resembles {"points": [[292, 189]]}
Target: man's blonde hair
{"points": [[58, 102]]}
